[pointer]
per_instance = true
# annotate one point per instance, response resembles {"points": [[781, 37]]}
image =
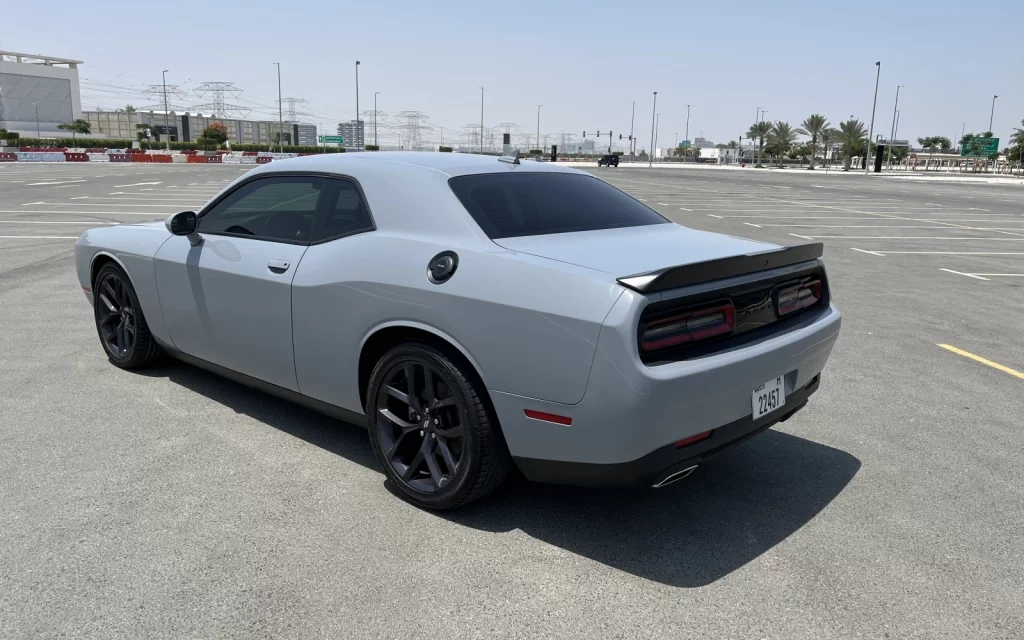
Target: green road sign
{"points": [[331, 139], [980, 147]]}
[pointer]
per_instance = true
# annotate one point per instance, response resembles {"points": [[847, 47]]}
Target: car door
{"points": [[228, 300]]}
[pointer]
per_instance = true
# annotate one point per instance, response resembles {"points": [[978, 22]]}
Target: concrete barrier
{"points": [[213, 159], [99, 157], [248, 160], [76, 157], [231, 159], [120, 157], [178, 158], [8, 156], [53, 157], [264, 159]]}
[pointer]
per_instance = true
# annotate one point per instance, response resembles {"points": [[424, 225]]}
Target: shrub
{"points": [[445, 149], [63, 143], [372, 147], [616, 153]]}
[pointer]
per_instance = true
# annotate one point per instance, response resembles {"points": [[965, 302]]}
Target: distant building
{"points": [[352, 131], [703, 143], [38, 92], [305, 134]]}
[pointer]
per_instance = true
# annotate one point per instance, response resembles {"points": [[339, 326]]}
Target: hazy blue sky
{"points": [[584, 61]]}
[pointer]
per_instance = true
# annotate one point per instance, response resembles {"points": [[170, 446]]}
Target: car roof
{"points": [[450, 164]]}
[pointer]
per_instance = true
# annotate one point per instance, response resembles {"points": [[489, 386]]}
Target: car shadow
{"points": [[689, 534]]}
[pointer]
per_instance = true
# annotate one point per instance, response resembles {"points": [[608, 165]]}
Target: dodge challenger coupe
{"points": [[475, 313]]}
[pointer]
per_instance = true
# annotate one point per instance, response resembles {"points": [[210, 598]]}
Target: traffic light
{"points": [[598, 134], [584, 134]]}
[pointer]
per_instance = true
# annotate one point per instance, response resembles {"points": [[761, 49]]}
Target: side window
{"points": [[342, 211], [280, 208]]}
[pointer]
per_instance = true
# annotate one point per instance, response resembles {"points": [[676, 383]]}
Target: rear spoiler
{"points": [[721, 268]]}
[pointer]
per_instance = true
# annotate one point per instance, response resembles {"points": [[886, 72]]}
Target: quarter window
{"points": [[342, 211]]}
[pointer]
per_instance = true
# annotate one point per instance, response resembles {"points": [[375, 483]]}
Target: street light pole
{"points": [[657, 123], [892, 134], [686, 136], [538, 125], [481, 119], [358, 128], [992, 113], [897, 126], [632, 146], [871, 130], [650, 155], [36, 105], [375, 118], [280, 111], [167, 130]]}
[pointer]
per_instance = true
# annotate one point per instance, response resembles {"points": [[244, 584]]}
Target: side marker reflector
{"points": [[548, 417], [692, 439]]}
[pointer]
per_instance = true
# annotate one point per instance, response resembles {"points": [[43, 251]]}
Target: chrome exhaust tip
{"points": [[678, 475]]}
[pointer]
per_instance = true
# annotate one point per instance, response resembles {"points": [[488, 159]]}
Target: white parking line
{"points": [[874, 253], [960, 273], [713, 215], [29, 204], [135, 184], [800, 236], [41, 237], [39, 184], [78, 222], [900, 238], [685, 209], [753, 225]]}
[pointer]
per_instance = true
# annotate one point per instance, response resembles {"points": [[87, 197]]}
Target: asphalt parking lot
{"points": [[172, 503]]}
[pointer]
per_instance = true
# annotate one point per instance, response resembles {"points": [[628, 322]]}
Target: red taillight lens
{"points": [[690, 326], [799, 296]]}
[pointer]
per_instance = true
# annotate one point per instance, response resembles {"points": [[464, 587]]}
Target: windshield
{"points": [[509, 205]]}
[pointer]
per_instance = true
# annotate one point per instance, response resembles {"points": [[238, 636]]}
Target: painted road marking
{"points": [[954, 253], [985, 361], [960, 273], [79, 198], [37, 184], [874, 253], [713, 215], [754, 225], [135, 184], [41, 237], [29, 204], [82, 222], [800, 236], [685, 209]]}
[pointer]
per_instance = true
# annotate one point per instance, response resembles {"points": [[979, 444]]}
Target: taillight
{"points": [[690, 326], [799, 296]]}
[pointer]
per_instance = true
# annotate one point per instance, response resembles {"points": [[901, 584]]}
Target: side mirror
{"points": [[184, 223]]}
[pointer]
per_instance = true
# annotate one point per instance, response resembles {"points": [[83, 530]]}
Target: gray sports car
{"points": [[476, 313]]}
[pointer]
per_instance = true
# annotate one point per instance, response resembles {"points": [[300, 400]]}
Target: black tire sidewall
{"points": [[455, 492], [130, 359]]}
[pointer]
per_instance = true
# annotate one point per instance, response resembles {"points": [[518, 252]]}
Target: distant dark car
{"points": [[608, 161]]}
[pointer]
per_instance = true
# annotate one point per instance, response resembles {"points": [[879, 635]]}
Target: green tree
{"points": [[814, 125], [852, 135], [692, 152], [216, 132], [128, 108], [782, 138], [759, 131], [141, 130], [76, 127], [829, 136], [944, 144]]}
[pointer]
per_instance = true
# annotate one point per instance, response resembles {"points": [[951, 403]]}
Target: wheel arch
{"points": [[102, 258], [385, 336]]}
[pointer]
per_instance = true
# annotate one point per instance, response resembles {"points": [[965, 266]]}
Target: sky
{"points": [[587, 63]]}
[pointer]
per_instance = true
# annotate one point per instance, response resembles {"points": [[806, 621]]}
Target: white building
{"points": [[352, 131], [38, 92]]}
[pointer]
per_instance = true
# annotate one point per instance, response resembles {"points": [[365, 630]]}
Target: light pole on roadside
{"points": [[657, 123], [280, 111], [686, 136], [992, 113], [874, 105], [538, 125], [167, 129], [36, 105], [650, 155], [481, 119], [632, 144], [375, 118], [358, 128], [892, 134]]}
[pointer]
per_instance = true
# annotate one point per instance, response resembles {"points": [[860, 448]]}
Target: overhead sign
{"points": [[980, 147], [331, 139], [894, 143]]}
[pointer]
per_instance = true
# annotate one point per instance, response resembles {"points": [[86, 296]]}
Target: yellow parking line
{"points": [[994, 365]]}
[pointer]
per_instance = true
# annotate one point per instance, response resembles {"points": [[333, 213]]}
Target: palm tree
{"points": [[782, 137], [759, 131], [814, 125], [852, 134]]}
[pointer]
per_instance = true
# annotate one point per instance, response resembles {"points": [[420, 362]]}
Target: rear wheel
{"points": [[120, 322], [432, 428]]}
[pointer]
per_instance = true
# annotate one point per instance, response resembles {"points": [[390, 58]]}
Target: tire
{"points": [[405, 443], [120, 323]]}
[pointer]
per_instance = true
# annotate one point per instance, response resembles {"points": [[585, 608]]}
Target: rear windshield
{"points": [[508, 205]]}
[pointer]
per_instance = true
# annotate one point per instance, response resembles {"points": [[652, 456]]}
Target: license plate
{"points": [[768, 397]]}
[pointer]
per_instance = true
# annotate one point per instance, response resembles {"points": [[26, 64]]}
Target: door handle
{"points": [[278, 266]]}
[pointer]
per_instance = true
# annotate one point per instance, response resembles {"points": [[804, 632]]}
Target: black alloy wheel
{"points": [[432, 428], [115, 315], [120, 322]]}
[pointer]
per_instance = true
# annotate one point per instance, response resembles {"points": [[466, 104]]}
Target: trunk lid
{"points": [[634, 250]]}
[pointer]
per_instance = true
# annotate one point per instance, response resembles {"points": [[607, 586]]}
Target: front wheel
{"points": [[120, 322], [432, 427]]}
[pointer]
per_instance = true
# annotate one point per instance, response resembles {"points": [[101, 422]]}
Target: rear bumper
{"points": [[664, 463], [623, 431]]}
